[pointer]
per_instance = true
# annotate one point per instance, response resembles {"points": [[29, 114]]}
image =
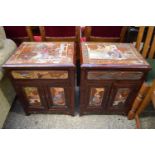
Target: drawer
{"points": [[39, 74], [115, 75]]}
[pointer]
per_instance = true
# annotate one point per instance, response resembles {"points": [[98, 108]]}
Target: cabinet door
{"points": [[122, 96], [96, 96], [60, 98], [32, 96]]}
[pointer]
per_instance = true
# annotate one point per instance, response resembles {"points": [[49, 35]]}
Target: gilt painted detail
{"points": [[121, 97], [58, 96], [96, 96], [111, 54], [32, 96], [39, 74], [43, 53], [118, 75]]}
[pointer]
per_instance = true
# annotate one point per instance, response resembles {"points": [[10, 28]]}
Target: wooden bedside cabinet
{"points": [[111, 76], [43, 75]]}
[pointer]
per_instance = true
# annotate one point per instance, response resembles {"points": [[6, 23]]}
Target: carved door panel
{"points": [[32, 96], [58, 97], [97, 96], [122, 96]]}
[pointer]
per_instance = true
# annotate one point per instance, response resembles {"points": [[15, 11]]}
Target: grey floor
{"points": [[18, 120]]}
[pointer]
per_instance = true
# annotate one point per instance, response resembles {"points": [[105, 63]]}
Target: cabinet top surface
{"points": [[123, 54], [43, 53]]}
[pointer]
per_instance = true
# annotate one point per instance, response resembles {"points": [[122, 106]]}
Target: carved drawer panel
{"points": [[39, 74], [117, 75]]}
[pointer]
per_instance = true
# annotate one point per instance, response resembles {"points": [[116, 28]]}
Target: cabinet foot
{"points": [[81, 114], [27, 114]]}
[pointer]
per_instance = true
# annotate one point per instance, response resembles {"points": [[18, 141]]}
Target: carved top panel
{"points": [[43, 53], [111, 54]]}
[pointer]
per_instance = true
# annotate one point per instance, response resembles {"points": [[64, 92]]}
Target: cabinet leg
{"points": [[81, 113], [72, 114], [26, 111], [27, 114]]}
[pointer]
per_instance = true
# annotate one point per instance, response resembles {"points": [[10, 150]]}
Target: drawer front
{"points": [[114, 75], [39, 74]]}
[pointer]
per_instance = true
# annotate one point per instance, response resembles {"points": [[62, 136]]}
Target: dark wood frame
{"points": [[68, 84], [135, 85], [43, 84], [89, 37]]}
